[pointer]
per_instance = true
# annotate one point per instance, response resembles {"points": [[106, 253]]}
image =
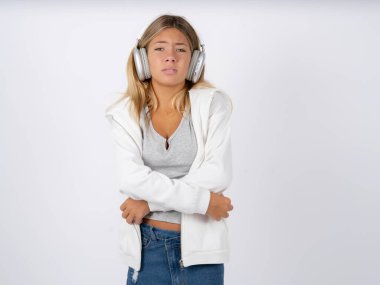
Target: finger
{"points": [[130, 219], [138, 221], [125, 214], [124, 205]]}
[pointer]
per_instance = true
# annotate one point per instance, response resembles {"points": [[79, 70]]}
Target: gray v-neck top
{"points": [[174, 161]]}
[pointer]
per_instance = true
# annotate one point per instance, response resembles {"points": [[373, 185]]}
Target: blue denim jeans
{"points": [[161, 262]]}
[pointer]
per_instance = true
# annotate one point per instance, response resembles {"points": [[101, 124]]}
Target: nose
{"points": [[170, 57]]}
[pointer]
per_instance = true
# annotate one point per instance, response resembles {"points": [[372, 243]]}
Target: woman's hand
{"points": [[134, 210], [219, 206]]}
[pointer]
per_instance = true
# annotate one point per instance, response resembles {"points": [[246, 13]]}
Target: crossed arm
{"points": [[196, 192], [133, 211]]}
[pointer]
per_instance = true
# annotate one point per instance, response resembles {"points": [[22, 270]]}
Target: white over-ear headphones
{"points": [[195, 68]]}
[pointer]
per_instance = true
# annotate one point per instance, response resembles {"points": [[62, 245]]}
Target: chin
{"points": [[170, 82]]}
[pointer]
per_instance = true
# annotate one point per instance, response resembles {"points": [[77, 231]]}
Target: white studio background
{"points": [[304, 78]]}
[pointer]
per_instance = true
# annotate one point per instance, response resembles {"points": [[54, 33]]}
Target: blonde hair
{"points": [[141, 93]]}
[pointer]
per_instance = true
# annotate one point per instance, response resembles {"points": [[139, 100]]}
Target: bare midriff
{"points": [[163, 225]]}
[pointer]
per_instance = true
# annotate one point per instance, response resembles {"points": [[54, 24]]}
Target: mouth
{"points": [[169, 71]]}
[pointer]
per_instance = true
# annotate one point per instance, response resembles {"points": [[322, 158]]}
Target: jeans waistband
{"points": [[157, 233]]}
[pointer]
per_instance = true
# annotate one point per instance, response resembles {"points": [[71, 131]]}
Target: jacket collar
{"points": [[200, 100]]}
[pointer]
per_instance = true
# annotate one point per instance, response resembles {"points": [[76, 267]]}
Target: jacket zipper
{"points": [[138, 236], [182, 227]]}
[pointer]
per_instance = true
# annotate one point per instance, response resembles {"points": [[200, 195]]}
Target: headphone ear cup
{"points": [[196, 66], [138, 64], [193, 61], [145, 63], [141, 63]]}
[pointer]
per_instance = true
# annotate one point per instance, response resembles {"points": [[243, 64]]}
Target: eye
{"points": [[181, 50], [159, 49]]}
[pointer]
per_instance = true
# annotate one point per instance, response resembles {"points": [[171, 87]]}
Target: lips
{"points": [[169, 71]]}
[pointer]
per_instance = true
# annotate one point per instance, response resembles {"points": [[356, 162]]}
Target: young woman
{"points": [[173, 152]]}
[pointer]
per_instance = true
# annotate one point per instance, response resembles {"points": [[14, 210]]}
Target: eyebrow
{"points": [[165, 42]]}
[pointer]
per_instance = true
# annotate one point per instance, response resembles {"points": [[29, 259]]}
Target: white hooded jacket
{"points": [[203, 239]]}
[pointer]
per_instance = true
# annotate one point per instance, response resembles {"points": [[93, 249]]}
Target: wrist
{"points": [[210, 203]]}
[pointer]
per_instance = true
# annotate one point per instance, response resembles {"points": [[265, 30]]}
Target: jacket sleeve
{"points": [[141, 182], [215, 173]]}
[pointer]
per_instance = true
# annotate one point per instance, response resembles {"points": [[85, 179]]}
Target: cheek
{"points": [[151, 58], [186, 62], [153, 63]]}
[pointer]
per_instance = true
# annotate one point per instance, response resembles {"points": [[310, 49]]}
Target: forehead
{"points": [[170, 35]]}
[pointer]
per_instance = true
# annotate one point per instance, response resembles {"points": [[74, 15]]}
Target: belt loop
{"points": [[152, 232]]}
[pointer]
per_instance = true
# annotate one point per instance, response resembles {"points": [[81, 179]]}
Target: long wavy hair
{"points": [[141, 93]]}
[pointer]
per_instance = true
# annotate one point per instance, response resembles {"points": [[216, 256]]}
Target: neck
{"points": [[165, 94]]}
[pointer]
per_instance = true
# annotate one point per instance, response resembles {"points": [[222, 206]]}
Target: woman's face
{"points": [[169, 58]]}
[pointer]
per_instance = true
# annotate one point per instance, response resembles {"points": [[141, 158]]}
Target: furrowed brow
{"points": [[165, 42]]}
